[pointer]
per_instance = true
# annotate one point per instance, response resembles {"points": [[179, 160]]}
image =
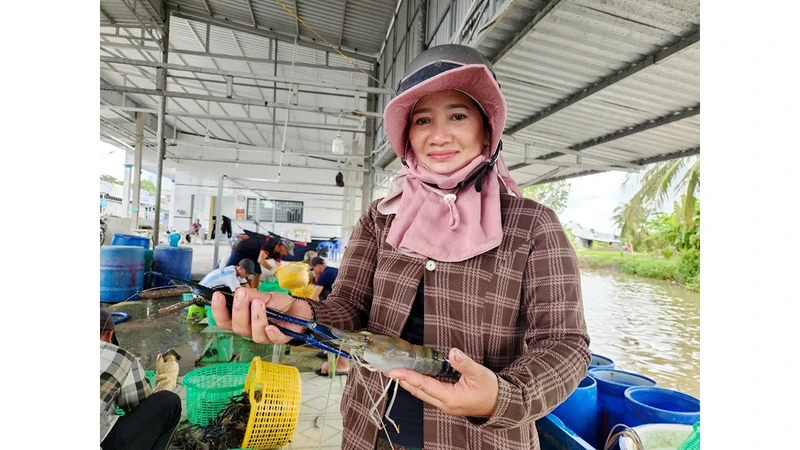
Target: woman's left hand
{"points": [[475, 394]]}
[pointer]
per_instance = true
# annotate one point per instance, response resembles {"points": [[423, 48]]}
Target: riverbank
{"points": [[643, 265]]}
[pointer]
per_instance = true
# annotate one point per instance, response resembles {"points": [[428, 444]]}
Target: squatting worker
{"points": [[151, 418], [456, 259], [260, 251]]}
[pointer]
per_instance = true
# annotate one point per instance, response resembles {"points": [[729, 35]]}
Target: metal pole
{"points": [[218, 223], [126, 189], [137, 171], [161, 85], [172, 203]]}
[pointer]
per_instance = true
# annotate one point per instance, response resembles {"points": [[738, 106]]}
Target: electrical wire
{"points": [[350, 60]]}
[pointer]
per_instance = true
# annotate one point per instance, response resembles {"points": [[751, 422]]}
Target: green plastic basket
{"points": [[209, 389], [693, 441], [271, 285]]}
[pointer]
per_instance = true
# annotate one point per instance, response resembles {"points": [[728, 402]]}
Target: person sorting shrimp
{"points": [[455, 259]]}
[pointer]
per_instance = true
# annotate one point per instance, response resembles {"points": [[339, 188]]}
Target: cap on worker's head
{"points": [[107, 324], [316, 260], [289, 245], [248, 266]]}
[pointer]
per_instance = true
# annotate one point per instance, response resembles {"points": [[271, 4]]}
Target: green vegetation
{"points": [[665, 246], [553, 195]]}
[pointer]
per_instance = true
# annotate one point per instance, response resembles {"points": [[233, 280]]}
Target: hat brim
{"points": [[474, 79]]}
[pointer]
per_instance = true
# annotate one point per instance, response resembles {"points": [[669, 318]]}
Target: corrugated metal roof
{"points": [[617, 80]]}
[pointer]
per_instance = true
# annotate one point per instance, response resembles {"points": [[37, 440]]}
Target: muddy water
{"points": [[646, 326]]}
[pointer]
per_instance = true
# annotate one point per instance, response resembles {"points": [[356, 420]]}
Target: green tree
{"points": [[147, 185], [110, 179], [662, 181], [553, 195]]}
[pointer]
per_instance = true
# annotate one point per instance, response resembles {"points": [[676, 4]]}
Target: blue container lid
{"points": [[600, 361], [618, 380], [666, 400]]}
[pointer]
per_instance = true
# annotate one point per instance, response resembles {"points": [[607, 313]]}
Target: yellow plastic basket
{"points": [[304, 291], [293, 275], [275, 391]]}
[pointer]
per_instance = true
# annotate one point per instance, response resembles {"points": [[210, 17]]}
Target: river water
{"points": [[649, 327]]}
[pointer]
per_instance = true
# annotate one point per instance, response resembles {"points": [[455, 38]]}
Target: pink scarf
{"points": [[445, 224]]}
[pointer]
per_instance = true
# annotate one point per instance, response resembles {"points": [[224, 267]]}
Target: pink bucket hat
{"points": [[439, 68]]}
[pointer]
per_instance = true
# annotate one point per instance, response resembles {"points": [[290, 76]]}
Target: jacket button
{"points": [[430, 265]]}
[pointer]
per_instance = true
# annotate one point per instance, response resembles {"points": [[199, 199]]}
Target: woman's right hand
{"points": [[249, 318]]}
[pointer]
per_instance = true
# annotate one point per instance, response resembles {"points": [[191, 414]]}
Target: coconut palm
{"points": [[662, 181]]}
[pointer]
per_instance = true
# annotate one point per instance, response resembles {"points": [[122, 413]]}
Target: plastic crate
{"points": [[209, 389], [693, 441], [275, 392]]}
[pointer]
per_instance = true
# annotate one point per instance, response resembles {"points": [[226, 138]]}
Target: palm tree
{"points": [[660, 182]]}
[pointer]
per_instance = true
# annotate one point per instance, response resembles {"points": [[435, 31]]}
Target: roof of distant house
{"points": [[591, 234]]}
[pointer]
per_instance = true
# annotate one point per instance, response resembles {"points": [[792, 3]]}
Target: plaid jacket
{"points": [[122, 383], [516, 309]]}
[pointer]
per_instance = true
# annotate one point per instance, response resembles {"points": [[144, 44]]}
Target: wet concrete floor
{"points": [[147, 333]]}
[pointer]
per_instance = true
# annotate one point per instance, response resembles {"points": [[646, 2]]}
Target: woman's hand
{"points": [[475, 394], [249, 315]]}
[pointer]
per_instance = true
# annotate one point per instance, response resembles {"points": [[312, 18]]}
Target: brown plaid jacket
{"points": [[516, 309]]}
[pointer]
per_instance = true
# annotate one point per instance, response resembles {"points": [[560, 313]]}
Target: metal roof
{"points": [[591, 86]]}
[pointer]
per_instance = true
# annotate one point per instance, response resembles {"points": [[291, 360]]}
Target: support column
{"points": [[172, 208], [218, 224], [369, 146], [137, 171], [126, 186], [161, 85]]}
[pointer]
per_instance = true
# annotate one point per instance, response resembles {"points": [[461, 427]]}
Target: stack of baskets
{"points": [[209, 389], [274, 391]]}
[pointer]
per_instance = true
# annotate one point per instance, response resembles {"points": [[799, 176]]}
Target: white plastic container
{"points": [[657, 436]]}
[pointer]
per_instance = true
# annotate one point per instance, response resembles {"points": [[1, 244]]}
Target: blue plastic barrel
{"points": [[131, 239], [121, 272], [601, 362], [579, 410], [645, 405], [175, 261], [611, 386]]}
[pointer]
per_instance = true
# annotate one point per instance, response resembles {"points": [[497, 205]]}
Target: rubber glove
{"points": [[167, 370]]}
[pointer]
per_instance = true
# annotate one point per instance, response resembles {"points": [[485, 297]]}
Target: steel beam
{"points": [[681, 154], [264, 163], [302, 125], [569, 164], [239, 101], [628, 131], [161, 138], [524, 31], [108, 18], [634, 68], [253, 76], [175, 51], [540, 178], [185, 13]]}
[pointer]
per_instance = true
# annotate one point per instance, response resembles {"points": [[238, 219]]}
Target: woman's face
{"points": [[446, 131]]}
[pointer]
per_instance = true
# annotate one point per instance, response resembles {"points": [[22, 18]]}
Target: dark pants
{"points": [[148, 426]]}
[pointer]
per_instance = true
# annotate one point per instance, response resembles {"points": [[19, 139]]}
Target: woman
{"points": [[453, 258]]}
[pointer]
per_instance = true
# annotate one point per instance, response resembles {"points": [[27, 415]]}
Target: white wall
{"points": [[321, 217]]}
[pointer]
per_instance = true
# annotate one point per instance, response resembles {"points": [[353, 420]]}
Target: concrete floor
{"points": [[147, 333]]}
